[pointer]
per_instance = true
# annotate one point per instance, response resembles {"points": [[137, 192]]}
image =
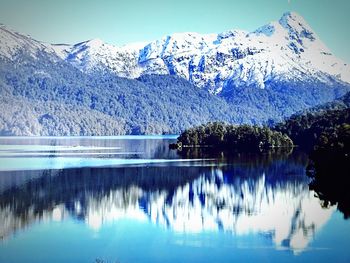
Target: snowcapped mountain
{"points": [[168, 85], [96, 55], [284, 50], [281, 51], [11, 43], [15, 46]]}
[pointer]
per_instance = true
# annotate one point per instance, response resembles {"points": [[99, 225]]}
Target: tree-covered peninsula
{"points": [[232, 137]]}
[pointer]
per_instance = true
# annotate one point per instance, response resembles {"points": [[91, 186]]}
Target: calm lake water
{"points": [[131, 199]]}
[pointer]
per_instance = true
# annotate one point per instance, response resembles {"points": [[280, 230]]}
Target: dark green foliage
{"points": [[336, 140], [306, 129], [243, 137]]}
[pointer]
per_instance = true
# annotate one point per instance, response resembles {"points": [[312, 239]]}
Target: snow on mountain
{"points": [[94, 55], [284, 65], [14, 45], [283, 50], [11, 43], [287, 50]]}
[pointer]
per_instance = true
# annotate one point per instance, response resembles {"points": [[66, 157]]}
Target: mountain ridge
{"points": [[45, 82], [280, 50]]}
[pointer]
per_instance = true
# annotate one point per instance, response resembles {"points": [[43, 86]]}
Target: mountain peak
{"points": [[11, 42], [292, 18], [92, 43], [295, 23], [284, 49], [300, 34], [291, 15], [95, 42]]}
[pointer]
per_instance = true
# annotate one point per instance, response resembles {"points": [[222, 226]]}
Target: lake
{"points": [[131, 199]]}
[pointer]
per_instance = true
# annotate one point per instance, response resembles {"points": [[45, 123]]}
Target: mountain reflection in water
{"points": [[265, 194]]}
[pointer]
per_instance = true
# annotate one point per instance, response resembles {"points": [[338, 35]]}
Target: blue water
{"points": [[131, 199]]}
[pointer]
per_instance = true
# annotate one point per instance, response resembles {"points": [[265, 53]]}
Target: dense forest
{"points": [[44, 95], [243, 137], [280, 99], [306, 129]]}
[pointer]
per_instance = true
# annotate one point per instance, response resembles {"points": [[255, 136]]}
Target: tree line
{"points": [[227, 136]]}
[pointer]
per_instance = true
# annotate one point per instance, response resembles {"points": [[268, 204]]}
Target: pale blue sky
{"points": [[122, 21]]}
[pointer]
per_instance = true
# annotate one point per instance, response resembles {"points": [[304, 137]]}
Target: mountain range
{"points": [[168, 85]]}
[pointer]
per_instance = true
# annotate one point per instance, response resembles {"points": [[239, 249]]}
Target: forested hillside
{"points": [[43, 93], [306, 128], [53, 98]]}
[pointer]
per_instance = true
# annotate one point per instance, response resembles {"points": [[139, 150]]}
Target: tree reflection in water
{"points": [[330, 173], [265, 193]]}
